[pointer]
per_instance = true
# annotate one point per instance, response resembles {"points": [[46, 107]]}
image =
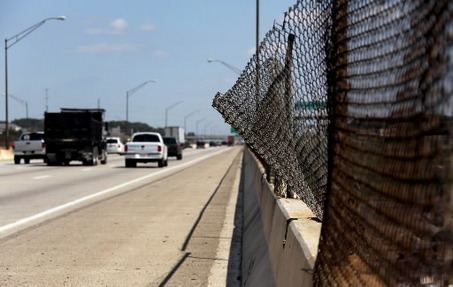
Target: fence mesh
{"points": [[353, 112], [285, 121]]}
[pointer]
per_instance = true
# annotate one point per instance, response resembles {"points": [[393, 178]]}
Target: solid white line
{"points": [[86, 169], [41, 177], [73, 203]]}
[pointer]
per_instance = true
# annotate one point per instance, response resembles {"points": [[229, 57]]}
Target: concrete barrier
{"points": [[280, 236], [6, 154]]}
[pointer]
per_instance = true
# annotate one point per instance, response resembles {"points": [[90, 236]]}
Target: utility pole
{"points": [[47, 100], [6, 95], [13, 41], [257, 95]]}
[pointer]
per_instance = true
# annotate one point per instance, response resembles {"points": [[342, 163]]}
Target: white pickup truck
{"points": [[29, 146], [146, 147]]}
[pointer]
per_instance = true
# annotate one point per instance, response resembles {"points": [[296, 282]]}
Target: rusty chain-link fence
{"points": [[350, 103]]}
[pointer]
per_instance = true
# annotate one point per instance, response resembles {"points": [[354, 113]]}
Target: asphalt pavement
{"points": [[115, 226]]}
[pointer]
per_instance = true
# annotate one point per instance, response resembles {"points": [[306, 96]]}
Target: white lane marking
{"points": [[41, 177], [70, 204], [86, 169]]}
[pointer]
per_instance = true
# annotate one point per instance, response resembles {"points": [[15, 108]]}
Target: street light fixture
{"points": [[186, 117], [131, 92], [21, 101], [213, 128], [196, 125], [229, 66], [9, 42], [205, 127], [169, 108]]}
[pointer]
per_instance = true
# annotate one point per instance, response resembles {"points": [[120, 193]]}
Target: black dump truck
{"points": [[75, 134]]}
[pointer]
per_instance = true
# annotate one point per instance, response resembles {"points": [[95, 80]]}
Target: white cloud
{"points": [[148, 28], [106, 48], [117, 26]]}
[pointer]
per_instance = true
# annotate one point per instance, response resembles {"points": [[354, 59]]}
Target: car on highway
{"points": [[146, 147], [29, 146], [202, 144], [174, 148], [114, 145]]}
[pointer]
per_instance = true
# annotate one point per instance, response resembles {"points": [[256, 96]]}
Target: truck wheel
{"points": [[94, 158], [16, 159], [104, 157], [166, 162], [161, 163], [26, 160], [130, 163], [179, 157]]}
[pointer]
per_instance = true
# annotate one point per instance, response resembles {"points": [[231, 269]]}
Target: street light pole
{"points": [[205, 128], [257, 94], [47, 100], [21, 101], [213, 129], [6, 95], [127, 106], [196, 125], [169, 108], [186, 117], [14, 40], [229, 66], [130, 93]]}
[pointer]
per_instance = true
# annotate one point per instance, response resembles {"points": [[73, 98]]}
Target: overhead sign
{"points": [[311, 105]]}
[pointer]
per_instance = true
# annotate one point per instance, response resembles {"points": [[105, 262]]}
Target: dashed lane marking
{"points": [[41, 177], [39, 217]]}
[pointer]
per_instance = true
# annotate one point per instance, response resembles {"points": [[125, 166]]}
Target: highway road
{"points": [[55, 211]]}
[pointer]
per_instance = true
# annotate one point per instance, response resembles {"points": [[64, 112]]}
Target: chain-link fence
{"points": [[350, 102]]}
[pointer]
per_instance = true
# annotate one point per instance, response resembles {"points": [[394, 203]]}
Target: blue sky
{"points": [[107, 47]]}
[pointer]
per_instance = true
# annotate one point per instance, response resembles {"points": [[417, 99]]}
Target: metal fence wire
{"points": [[351, 104]]}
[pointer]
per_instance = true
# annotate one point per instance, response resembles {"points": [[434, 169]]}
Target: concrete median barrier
{"points": [[280, 236]]}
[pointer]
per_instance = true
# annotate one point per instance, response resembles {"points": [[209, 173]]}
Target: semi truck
{"points": [[175, 132], [75, 135]]}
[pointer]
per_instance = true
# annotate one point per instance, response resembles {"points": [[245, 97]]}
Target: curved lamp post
{"points": [[169, 108], [9, 42], [22, 102], [186, 117], [131, 92], [196, 126], [229, 66], [205, 128]]}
